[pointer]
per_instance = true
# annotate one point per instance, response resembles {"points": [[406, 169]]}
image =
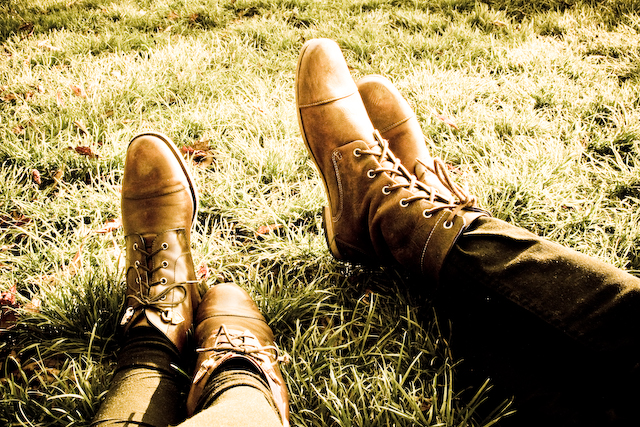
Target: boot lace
{"points": [[390, 164], [243, 343], [141, 288]]}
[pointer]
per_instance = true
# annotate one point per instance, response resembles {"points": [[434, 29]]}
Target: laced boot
{"points": [[230, 331], [396, 121], [378, 211], [159, 204]]}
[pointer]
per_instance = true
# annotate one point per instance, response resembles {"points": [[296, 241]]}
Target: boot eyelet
{"points": [[165, 246], [371, 173], [357, 152], [137, 280], [450, 224], [427, 214], [136, 264], [135, 246], [386, 190], [404, 203], [163, 297], [165, 264], [163, 281]]}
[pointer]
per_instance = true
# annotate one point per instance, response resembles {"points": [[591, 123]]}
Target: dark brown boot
{"points": [[231, 330], [378, 211], [159, 204], [396, 121]]}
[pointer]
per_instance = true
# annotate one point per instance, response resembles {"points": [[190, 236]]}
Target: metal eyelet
{"points": [[371, 173], [404, 203], [136, 264], [357, 152], [427, 214], [447, 226], [163, 297], [163, 281], [165, 246], [135, 246], [137, 280], [165, 264], [386, 190], [166, 316]]}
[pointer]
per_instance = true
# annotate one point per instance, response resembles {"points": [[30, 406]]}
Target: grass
{"points": [[544, 95]]}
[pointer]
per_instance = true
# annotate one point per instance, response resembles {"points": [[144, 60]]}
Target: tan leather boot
{"points": [[159, 203], [396, 121], [378, 211], [231, 328]]}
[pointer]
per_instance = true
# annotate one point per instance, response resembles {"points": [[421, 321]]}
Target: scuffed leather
{"points": [[227, 311]]}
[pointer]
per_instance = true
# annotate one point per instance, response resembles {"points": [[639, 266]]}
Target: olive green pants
{"points": [[556, 328]]}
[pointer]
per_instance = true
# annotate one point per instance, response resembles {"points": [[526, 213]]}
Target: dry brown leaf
{"points": [[59, 100], [446, 120], [77, 91], [109, 226], [86, 151], [266, 229], [35, 176], [203, 271], [57, 177]]}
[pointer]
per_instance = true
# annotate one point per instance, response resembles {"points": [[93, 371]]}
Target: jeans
{"points": [[557, 328]]}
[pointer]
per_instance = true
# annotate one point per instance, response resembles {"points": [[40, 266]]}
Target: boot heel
{"points": [[329, 233]]}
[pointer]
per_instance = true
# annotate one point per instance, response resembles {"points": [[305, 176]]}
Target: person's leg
{"points": [[158, 206], [549, 324], [238, 379], [380, 212]]}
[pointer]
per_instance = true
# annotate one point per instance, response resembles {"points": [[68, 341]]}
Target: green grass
{"points": [[546, 100]]}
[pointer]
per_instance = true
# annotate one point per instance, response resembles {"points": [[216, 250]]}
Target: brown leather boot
{"points": [[159, 203], [396, 121], [230, 328], [378, 211]]}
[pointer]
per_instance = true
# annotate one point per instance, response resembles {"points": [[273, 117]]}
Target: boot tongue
{"points": [[148, 246]]}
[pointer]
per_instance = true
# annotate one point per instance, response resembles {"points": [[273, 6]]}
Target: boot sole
{"points": [[176, 153], [327, 221]]}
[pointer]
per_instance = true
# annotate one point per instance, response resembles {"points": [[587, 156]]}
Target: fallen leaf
{"points": [[78, 91], [34, 305], [57, 177], [35, 176], [9, 298], [109, 226], [18, 129], [266, 229], [446, 120], [9, 97], [14, 220], [203, 271], [172, 16], [86, 151]]}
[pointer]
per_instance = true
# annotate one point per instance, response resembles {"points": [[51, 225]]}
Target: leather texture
{"points": [[230, 327], [378, 211], [396, 121], [159, 204]]}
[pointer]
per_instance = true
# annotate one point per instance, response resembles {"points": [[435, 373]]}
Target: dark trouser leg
{"points": [[557, 328], [147, 390]]}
